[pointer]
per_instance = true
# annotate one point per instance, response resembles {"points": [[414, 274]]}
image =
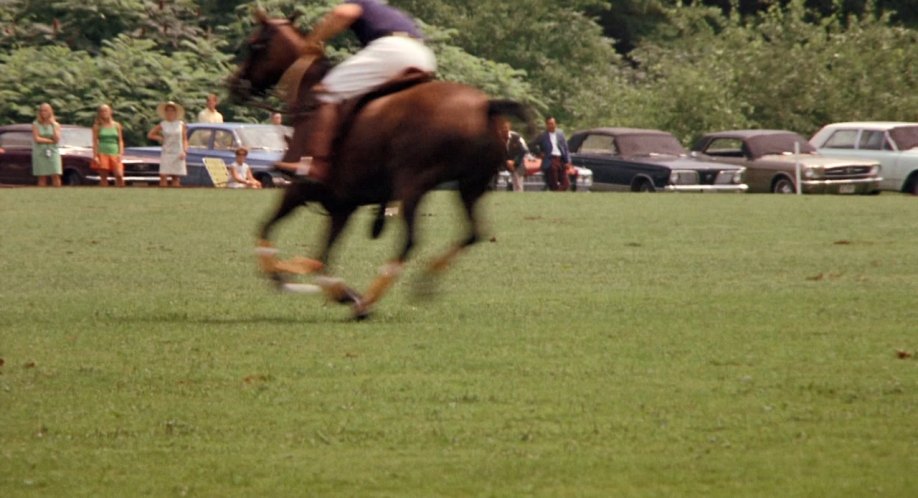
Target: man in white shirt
{"points": [[210, 114], [516, 153], [556, 157]]}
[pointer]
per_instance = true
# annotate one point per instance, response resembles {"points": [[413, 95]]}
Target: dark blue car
{"points": [[265, 142]]}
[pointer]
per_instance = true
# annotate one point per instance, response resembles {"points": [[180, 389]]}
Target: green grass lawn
{"points": [[599, 345]]}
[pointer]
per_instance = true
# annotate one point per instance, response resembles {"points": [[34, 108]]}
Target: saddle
{"points": [[351, 108]]}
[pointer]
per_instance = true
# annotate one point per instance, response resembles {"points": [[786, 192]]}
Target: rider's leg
{"points": [[324, 128]]}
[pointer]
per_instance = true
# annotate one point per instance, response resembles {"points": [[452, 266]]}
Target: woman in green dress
{"points": [[46, 158], [107, 147]]}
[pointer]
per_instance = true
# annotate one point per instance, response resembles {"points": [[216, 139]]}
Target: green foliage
{"points": [[560, 49], [784, 68], [693, 69]]}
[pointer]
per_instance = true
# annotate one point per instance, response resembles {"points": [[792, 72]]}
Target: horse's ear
{"points": [[260, 14]]}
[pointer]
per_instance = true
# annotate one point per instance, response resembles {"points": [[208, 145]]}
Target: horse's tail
{"points": [[501, 107]]}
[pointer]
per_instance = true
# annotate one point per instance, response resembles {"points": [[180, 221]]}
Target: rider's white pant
{"points": [[380, 61]]}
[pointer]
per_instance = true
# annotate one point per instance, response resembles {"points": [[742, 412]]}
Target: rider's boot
{"points": [[323, 128]]}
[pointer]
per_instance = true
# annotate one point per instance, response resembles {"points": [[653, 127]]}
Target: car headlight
{"points": [[809, 172], [738, 176], [874, 171]]}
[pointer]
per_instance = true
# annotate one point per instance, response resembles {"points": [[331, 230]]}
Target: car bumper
{"points": [[536, 182], [127, 178], [846, 186], [740, 188]]}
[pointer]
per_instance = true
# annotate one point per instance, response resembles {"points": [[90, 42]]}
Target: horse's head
{"points": [[268, 53]]}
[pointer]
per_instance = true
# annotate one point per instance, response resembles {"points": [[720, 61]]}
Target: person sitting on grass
{"points": [[240, 172]]}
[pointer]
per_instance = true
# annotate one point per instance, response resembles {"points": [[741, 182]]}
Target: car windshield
{"points": [[76, 137], [268, 137], [777, 143], [906, 137], [649, 144]]}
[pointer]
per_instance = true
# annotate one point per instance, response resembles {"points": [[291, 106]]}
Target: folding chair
{"points": [[216, 169]]}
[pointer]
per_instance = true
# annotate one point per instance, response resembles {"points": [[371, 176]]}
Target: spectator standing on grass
{"points": [[46, 157], [210, 114], [107, 147], [173, 135], [240, 173], [556, 157], [516, 152]]}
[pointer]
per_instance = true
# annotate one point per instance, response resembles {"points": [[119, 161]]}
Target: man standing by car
{"points": [[210, 114], [516, 152], [556, 157]]}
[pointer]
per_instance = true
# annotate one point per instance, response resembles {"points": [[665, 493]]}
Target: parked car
{"points": [[894, 145], [534, 181], [770, 162], [266, 144], [647, 161], [76, 158]]}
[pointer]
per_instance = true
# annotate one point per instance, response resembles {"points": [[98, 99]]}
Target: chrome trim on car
{"points": [[708, 188], [846, 181], [150, 179]]}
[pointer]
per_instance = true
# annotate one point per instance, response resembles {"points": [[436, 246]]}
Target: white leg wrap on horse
{"points": [[327, 282], [391, 270], [301, 289]]}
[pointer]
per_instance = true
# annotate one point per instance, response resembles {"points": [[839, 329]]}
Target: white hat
{"points": [[179, 110]]}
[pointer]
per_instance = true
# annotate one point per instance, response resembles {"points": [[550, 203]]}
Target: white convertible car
{"points": [[894, 145], [535, 181]]}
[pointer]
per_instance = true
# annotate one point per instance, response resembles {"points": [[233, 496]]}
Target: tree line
{"points": [[686, 67]]}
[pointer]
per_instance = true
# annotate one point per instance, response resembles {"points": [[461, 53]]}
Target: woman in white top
{"points": [[240, 173], [173, 134]]}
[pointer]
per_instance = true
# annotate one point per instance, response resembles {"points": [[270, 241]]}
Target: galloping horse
{"points": [[397, 146]]}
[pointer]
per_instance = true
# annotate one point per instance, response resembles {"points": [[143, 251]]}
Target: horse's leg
{"points": [[294, 196], [392, 270], [469, 193], [334, 288]]}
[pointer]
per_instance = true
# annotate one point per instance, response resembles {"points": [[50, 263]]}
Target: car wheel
{"points": [[911, 185], [783, 185], [645, 186], [267, 181], [72, 178]]}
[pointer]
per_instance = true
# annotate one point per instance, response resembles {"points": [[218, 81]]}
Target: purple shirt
{"points": [[379, 20]]}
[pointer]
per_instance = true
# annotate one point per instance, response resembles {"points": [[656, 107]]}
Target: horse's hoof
{"points": [[277, 280], [349, 296], [361, 310]]}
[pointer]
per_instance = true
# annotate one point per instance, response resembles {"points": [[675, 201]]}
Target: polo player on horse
{"points": [[392, 45]]}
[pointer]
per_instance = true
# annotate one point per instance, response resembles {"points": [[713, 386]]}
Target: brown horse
{"points": [[396, 147]]}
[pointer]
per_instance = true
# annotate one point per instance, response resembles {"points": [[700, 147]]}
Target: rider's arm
{"points": [[336, 21]]}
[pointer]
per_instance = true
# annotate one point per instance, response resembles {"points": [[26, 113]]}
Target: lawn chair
{"points": [[216, 169]]}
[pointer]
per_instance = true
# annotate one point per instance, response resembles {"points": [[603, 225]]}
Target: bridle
{"points": [[287, 87]]}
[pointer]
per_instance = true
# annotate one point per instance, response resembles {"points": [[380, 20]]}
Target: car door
{"points": [[200, 145], [876, 145], [597, 152], [16, 162]]}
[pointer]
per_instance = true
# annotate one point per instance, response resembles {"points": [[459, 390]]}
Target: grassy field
{"points": [[599, 345]]}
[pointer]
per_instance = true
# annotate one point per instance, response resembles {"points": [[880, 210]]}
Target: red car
{"points": [[76, 155]]}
